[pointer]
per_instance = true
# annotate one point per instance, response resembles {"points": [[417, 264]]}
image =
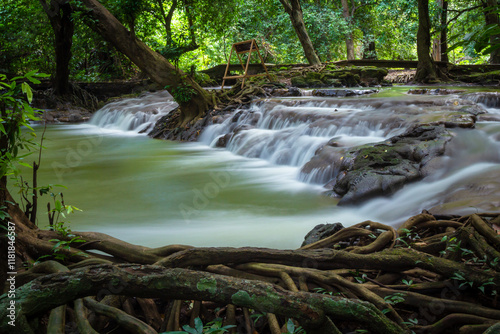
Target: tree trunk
{"points": [[349, 39], [59, 14], [293, 8], [491, 17], [426, 71], [369, 50], [444, 30], [150, 62]]}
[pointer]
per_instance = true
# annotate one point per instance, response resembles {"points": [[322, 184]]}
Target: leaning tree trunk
{"points": [[349, 39], [491, 17], [59, 14], [293, 8], [426, 71], [150, 62]]}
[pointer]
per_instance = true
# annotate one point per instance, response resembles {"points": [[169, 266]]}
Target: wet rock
{"points": [[285, 92], [222, 141], [321, 231], [381, 169], [75, 118], [437, 91], [489, 99], [341, 92], [478, 193]]}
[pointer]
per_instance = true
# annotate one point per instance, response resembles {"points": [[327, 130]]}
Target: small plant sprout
{"points": [[407, 282]]}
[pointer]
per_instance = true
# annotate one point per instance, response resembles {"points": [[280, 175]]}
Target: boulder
{"points": [[341, 92], [321, 231], [371, 170]]}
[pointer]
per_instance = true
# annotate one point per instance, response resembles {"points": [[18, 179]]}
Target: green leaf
{"points": [[290, 326], [25, 164], [198, 325], [27, 90], [190, 330]]}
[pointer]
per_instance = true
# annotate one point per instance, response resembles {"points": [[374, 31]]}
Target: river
{"points": [[254, 192]]}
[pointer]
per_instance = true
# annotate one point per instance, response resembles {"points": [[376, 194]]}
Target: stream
{"points": [[255, 191]]}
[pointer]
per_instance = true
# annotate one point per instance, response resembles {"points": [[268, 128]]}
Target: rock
{"points": [[348, 77], [321, 231], [488, 78], [381, 169], [222, 141], [489, 99], [478, 193], [48, 117], [341, 92], [284, 92], [437, 91], [299, 81], [75, 118]]}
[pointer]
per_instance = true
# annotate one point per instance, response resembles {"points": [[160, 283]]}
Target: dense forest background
{"points": [[196, 35]]}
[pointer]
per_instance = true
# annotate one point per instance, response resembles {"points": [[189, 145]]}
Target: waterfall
{"points": [[287, 132], [134, 114], [490, 100]]}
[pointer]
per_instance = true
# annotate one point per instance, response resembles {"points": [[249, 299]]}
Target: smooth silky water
{"points": [[252, 193]]}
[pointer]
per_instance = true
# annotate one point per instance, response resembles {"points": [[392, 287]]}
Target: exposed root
{"points": [[431, 275]]}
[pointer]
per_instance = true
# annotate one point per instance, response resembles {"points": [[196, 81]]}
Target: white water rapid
{"points": [[259, 187], [135, 114]]}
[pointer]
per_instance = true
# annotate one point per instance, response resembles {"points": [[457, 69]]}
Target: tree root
{"points": [[124, 320], [441, 272]]}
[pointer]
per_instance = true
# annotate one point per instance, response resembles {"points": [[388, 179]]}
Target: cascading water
{"points": [[266, 188], [135, 114], [290, 131]]}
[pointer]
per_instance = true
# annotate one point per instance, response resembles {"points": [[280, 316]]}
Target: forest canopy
{"points": [[198, 34]]}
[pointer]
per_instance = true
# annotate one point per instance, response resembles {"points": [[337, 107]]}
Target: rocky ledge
{"points": [[381, 169]]}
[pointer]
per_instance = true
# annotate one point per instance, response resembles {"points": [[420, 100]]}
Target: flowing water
{"points": [[258, 191]]}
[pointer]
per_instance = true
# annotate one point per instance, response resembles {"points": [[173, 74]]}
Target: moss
{"points": [[207, 284], [313, 76], [298, 81], [241, 298], [374, 72]]}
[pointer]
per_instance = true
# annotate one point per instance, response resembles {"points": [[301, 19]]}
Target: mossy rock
{"points": [[260, 80], [488, 77], [315, 83], [349, 79], [331, 82], [313, 76], [298, 81], [378, 73]]}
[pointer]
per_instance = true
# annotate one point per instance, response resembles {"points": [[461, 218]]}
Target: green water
{"points": [[155, 192]]}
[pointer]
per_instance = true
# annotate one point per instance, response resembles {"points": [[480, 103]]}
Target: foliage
{"points": [[390, 24], [292, 329], [16, 113], [213, 327], [181, 93]]}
